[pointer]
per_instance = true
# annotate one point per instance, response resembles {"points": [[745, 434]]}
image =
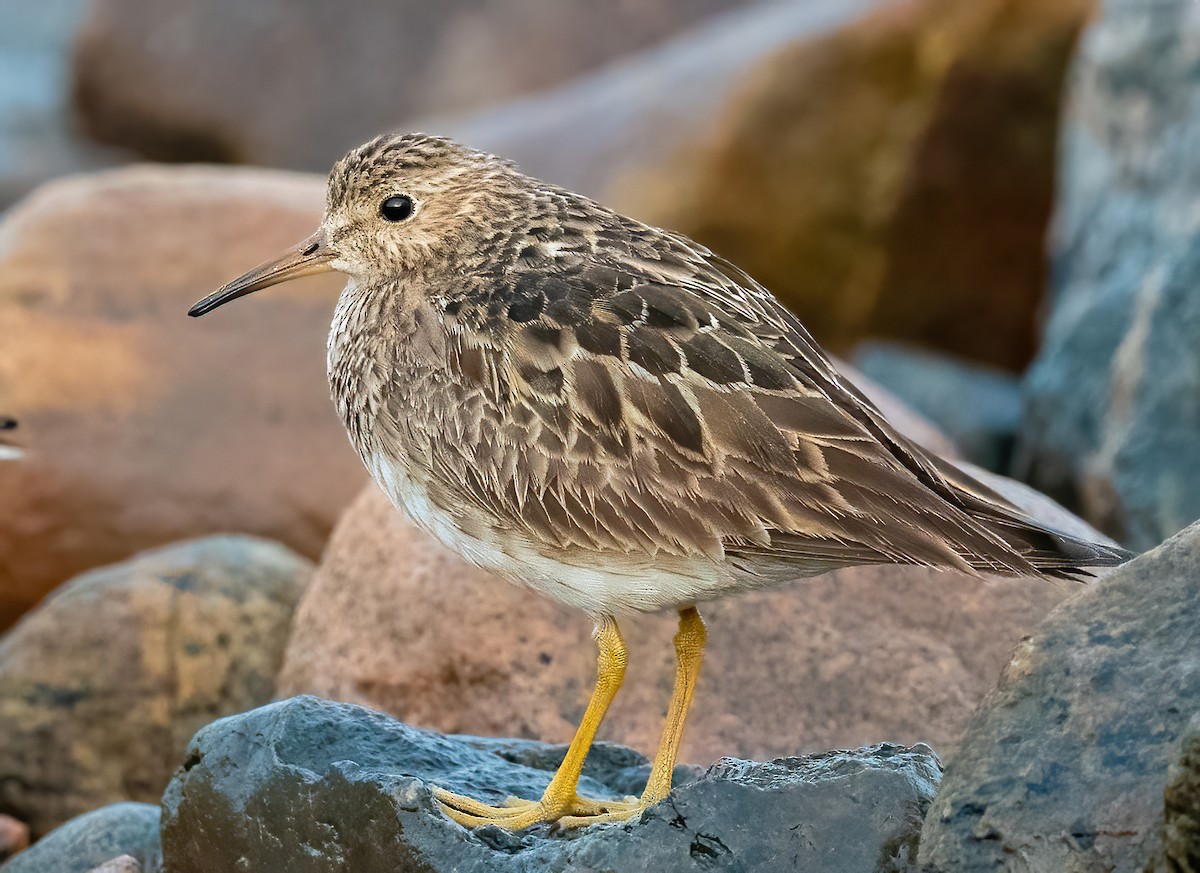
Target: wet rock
{"points": [[316, 786], [102, 686], [977, 407], [1106, 429], [141, 426], [95, 839], [1066, 765], [395, 621], [14, 836], [169, 80]]}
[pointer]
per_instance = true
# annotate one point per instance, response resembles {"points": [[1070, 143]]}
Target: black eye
{"points": [[397, 208]]}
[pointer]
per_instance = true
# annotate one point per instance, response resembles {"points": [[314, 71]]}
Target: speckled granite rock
{"points": [[1070, 762], [95, 839], [311, 786], [102, 686]]}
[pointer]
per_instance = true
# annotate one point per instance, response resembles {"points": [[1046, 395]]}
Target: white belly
{"points": [[612, 585]]}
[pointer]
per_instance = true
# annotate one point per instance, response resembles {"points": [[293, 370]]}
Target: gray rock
{"points": [[95, 839], [1111, 417], [102, 685], [1066, 763], [308, 786], [1181, 814], [976, 406], [169, 79]]}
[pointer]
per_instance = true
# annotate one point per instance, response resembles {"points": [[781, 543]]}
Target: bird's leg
{"points": [[560, 798], [690, 640]]}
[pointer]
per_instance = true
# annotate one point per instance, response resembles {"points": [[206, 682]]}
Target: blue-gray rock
{"points": [[976, 406], [1066, 767], [104, 683], [95, 839], [1112, 420], [311, 786]]}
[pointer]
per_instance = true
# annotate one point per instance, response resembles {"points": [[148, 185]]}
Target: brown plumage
{"points": [[608, 412]]}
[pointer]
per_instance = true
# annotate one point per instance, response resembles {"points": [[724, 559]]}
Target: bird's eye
{"points": [[397, 208]]}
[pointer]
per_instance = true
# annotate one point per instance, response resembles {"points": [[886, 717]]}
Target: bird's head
{"points": [[393, 205]]}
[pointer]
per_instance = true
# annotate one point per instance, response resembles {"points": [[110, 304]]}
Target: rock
{"points": [[1181, 813], [1105, 429], [142, 426], [169, 80], [123, 864], [37, 139], [316, 786], [14, 836], [893, 178], [1066, 763], [395, 621], [613, 134], [94, 839], [977, 407], [102, 686]]}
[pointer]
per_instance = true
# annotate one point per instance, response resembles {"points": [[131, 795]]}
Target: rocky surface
{"points": [[142, 426], [14, 836], [169, 80], [977, 407], [122, 864], [103, 685], [1068, 764], [94, 840], [1105, 428], [395, 621], [310, 785]]}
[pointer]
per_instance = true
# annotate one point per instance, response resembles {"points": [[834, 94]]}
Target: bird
{"points": [[614, 416]]}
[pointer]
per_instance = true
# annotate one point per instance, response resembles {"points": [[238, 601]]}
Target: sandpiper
{"points": [[614, 416]]}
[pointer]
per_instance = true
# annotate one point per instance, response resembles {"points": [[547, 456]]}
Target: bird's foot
{"points": [[516, 814]]}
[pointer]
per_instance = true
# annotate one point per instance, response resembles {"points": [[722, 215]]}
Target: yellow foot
{"points": [[517, 814]]}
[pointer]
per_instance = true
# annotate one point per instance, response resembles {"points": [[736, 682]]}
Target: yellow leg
{"points": [[560, 798], [689, 652]]}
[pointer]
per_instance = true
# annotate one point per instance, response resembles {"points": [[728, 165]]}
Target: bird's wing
{"points": [[662, 401]]}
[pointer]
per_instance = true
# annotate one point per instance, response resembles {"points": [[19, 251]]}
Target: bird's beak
{"points": [[309, 257]]}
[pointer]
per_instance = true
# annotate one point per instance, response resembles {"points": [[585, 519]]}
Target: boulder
{"points": [[1068, 763], [976, 406], [37, 138], [121, 864], [889, 176], [169, 80], [893, 178], [141, 426], [1110, 426], [395, 621], [314, 786], [95, 839], [102, 686]]}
